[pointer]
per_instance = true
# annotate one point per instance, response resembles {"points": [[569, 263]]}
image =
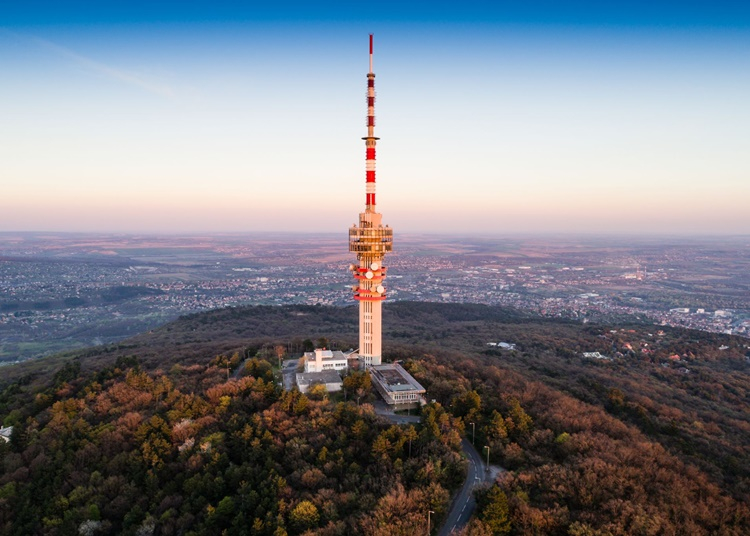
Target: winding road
{"points": [[464, 503]]}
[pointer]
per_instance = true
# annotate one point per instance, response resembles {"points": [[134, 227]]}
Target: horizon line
{"points": [[587, 234]]}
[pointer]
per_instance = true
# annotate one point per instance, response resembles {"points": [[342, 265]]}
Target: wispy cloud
{"points": [[132, 79]]}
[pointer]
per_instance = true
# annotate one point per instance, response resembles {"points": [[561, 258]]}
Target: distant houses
{"points": [[596, 355], [503, 345]]}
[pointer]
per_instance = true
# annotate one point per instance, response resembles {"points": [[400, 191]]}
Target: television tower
{"points": [[370, 240]]}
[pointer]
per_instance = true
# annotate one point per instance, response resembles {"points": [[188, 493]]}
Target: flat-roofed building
{"points": [[322, 359], [396, 386], [329, 378]]}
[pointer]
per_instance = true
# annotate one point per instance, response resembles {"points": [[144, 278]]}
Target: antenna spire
{"points": [[370, 139], [370, 52]]}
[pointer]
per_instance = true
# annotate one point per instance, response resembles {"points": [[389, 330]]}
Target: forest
{"points": [[153, 435]]}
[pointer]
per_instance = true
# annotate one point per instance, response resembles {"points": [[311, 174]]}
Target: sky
{"points": [[494, 118]]}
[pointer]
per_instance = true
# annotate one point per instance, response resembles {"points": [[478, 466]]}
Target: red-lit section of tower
{"points": [[370, 240]]}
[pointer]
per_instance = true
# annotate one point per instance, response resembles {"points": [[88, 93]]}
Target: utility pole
{"points": [[428, 521], [472, 433], [488, 458]]}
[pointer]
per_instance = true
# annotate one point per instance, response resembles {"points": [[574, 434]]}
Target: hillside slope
{"points": [[654, 441]]}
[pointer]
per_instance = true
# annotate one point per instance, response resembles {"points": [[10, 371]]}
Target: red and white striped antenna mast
{"points": [[370, 139]]}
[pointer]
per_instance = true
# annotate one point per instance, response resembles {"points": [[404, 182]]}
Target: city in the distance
{"points": [[66, 291]]}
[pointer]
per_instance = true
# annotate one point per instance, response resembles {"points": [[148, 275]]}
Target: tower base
{"points": [[370, 360]]}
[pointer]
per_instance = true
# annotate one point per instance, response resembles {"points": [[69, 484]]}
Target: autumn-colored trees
{"points": [[357, 386], [259, 368], [576, 469], [492, 509], [400, 513], [151, 436], [304, 516], [127, 451]]}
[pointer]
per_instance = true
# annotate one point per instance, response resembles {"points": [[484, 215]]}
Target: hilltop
{"points": [[653, 440]]}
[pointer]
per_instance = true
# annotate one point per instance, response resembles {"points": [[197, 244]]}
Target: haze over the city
{"points": [[568, 117]]}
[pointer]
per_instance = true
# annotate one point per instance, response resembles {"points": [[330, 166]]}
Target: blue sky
{"points": [[661, 14], [494, 118]]}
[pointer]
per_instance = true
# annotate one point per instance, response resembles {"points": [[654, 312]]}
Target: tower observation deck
{"points": [[370, 240]]}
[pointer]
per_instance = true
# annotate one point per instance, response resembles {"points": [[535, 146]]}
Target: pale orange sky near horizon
{"points": [[534, 131]]}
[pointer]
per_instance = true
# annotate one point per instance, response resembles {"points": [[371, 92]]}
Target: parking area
{"points": [[288, 372]]}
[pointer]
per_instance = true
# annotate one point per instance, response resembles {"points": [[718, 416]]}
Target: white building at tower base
{"points": [[322, 359]]}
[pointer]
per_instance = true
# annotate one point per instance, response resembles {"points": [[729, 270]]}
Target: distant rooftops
{"points": [[505, 345], [596, 355]]}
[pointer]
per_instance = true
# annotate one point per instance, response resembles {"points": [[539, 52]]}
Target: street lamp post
{"points": [[428, 521], [488, 457], [472, 433]]}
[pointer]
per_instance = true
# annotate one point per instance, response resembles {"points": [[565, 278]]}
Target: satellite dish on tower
{"points": [[374, 266], [369, 275], [380, 289]]}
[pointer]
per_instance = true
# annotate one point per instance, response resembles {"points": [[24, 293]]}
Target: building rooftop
{"points": [[5, 433], [325, 354], [394, 378], [327, 376]]}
